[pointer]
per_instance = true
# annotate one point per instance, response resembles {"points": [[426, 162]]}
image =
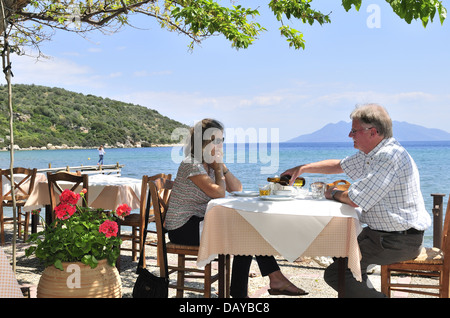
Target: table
{"points": [[9, 287], [105, 191], [6, 183], [292, 229]]}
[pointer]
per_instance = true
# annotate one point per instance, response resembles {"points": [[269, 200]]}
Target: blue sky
{"points": [[403, 67]]}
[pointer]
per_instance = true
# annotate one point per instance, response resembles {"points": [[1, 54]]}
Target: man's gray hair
{"points": [[376, 116]]}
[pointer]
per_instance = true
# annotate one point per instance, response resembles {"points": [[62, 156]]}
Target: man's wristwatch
{"points": [[333, 193]]}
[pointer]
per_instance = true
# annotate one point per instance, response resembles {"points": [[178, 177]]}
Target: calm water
{"points": [[252, 164]]}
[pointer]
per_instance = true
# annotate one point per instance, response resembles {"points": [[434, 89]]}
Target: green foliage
{"points": [[45, 115], [32, 20], [76, 239], [206, 17], [425, 11], [300, 10], [409, 10], [347, 4]]}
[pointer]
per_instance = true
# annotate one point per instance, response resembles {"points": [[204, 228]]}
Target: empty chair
{"points": [[23, 186], [71, 181], [160, 192], [432, 262], [137, 220]]}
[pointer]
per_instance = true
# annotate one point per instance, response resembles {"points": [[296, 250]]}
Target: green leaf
{"points": [[78, 229], [294, 37], [58, 264], [442, 13], [29, 251], [90, 260], [347, 4]]}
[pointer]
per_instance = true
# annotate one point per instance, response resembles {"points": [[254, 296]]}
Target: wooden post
{"points": [[437, 218]]}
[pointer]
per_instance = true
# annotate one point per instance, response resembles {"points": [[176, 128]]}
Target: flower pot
{"points": [[78, 280]]}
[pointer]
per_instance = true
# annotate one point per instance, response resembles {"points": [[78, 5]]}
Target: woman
{"points": [[203, 176], [101, 153]]}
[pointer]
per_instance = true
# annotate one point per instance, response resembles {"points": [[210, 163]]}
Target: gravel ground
{"points": [[307, 274]]}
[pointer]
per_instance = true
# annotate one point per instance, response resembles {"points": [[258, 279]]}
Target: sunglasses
{"points": [[354, 131], [218, 141]]}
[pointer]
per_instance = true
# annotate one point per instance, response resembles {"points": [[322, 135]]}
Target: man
{"points": [[386, 188]]}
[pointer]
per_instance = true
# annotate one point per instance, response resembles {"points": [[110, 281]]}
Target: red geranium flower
{"points": [[64, 211], [109, 228], [69, 197], [123, 210]]}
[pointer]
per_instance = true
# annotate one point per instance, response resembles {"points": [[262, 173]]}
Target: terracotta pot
{"points": [[80, 281]]}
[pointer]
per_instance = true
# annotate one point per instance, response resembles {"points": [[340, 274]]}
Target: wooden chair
{"points": [[432, 262], [160, 192], [54, 189], [22, 190], [137, 220]]}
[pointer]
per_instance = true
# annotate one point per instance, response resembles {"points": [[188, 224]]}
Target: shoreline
{"points": [[65, 147]]}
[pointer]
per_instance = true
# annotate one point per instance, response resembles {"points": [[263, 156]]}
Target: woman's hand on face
{"points": [[217, 162]]}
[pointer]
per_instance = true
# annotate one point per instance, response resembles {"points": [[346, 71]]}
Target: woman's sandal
{"points": [[285, 292]]}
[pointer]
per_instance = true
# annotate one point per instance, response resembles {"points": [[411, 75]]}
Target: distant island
{"points": [[403, 131], [54, 118]]}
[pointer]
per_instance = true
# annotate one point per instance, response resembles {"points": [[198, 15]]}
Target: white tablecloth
{"points": [[6, 184], [289, 226], [9, 287], [105, 191], [292, 229]]}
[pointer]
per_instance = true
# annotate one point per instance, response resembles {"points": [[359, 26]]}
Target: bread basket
{"points": [[342, 185]]}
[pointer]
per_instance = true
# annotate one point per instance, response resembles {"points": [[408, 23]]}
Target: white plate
{"points": [[276, 197], [284, 192], [246, 193]]}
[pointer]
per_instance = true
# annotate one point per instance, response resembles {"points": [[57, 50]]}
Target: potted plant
{"points": [[81, 245]]}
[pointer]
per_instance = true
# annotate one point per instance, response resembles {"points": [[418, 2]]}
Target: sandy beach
{"points": [[306, 274]]}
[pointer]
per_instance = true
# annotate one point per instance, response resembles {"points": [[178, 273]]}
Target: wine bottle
{"points": [[285, 179]]}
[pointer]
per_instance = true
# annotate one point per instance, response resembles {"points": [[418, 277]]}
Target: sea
{"points": [[251, 163]]}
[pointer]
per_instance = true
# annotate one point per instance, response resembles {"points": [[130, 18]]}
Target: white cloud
{"points": [[140, 73], [94, 50], [55, 72], [115, 74], [275, 99]]}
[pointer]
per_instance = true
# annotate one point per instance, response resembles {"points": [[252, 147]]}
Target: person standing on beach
{"points": [[386, 189], [101, 153]]}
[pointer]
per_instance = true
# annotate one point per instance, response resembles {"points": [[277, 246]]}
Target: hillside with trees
{"points": [[44, 115]]}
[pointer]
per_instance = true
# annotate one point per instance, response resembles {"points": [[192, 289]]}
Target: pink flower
{"points": [[123, 210], [64, 211], [109, 228], [69, 197]]}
